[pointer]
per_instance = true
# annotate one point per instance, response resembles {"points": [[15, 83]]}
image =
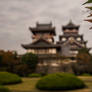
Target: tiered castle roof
{"points": [[43, 28], [70, 25], [40, 43]]}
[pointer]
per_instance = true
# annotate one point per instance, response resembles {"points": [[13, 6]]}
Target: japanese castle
{"points": [[43, 42]]}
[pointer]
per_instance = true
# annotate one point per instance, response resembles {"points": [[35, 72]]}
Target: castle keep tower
{"points": [[43, 40], [71, 40], [50, 54]]}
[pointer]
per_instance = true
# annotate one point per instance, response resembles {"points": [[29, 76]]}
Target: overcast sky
{"points": [[17, 15]]}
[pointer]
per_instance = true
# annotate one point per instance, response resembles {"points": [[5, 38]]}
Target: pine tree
{"points": [[90, 8]]}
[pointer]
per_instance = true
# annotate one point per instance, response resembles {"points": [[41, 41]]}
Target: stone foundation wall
{"points": [[54, 66]]}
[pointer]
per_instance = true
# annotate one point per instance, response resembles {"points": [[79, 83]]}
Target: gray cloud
{"points": [[17, 15]]}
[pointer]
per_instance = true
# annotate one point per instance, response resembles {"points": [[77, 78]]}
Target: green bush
{"points": [[9, 78], [86, 74], [31, 60], [34, 75], [3, 89], [22, 70], [60, 81]]}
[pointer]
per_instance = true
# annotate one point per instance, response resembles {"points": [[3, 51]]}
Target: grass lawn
{"points": [[28, 85]]}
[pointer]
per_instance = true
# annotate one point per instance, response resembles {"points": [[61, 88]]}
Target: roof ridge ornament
{"points": [[70, 23]]}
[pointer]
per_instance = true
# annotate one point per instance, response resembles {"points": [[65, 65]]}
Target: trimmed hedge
{"points": [[86, 74], [9, 78], [34, 75], [3, 89], [60, 81]]}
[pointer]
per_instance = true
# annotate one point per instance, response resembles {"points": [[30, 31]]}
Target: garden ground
{"points": [[28, 85]]}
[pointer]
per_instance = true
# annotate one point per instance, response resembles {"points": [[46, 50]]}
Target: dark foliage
{"points": [[86, 74], [11, 62], [88, 1], [89, 7], [22, 70], [84, 62], [8, 60], [0, 60], [3, 89], [34, 75], [84, 55], [31, 60]]}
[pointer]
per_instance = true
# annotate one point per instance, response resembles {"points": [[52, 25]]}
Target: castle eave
{"points": [[30, 46], [42, 30]]}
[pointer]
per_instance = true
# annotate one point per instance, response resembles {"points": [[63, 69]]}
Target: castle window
{"points": [[63, 39], [78, 39]]}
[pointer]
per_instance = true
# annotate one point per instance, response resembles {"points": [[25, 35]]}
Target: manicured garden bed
{"points": [[28, 85]]}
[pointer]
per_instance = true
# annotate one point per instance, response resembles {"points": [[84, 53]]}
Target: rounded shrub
{"points": [[3, 89], [9, 78], [34, 75], [60, 81]]}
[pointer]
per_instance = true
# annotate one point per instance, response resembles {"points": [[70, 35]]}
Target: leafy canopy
{"points": [[30, 59], [84, 55]]}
